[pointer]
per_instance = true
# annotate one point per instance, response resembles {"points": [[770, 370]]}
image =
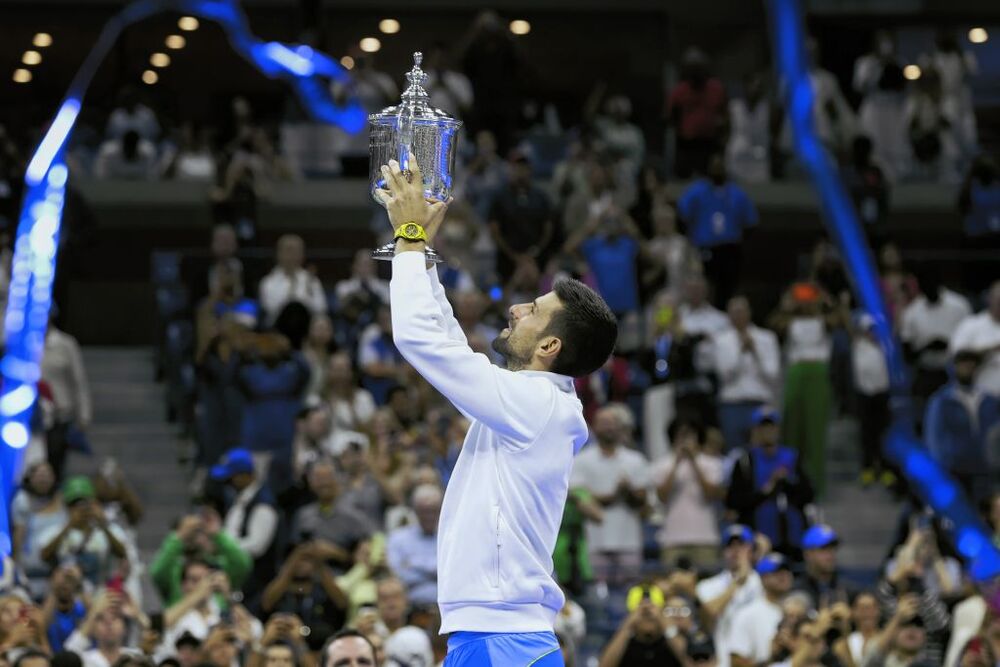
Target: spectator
{"points": [[317, 350], [821, 578], [809, 647], [641, 640], [689, 484], [755, 626], [446, 88], [878, 77], [931, 127], [617, 478], [903, 641], [669, 251], [63, 372], [696, 108], [521, 220], [366, 491], [106, 630], [290, 281], [748, 366], [197, 537], [130, 158], [353, 407], [198, 611], [981, 333], [899, 286], [593, 190], [251, 517], [36, 510], [751, 118], [718, 214], [470, 306], [805, 318], [337, 527], [924, 328], [865, 616], [393, 605], [871, 398], [411, 551], [306, 588], [409, 646], [349, 648], [979, 202], [193, 160], [957, 68], [64, 607], [379, 360], [133, 115], [364, 283], [869, 187], [220, 400], [622, 139], [770, 489], [86, 538], [486, 174], [725, 595]]}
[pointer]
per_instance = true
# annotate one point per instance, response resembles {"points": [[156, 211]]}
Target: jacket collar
{"points": [[563, 382]]}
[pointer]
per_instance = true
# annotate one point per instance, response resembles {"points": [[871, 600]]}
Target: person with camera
{"points": [[286, 642], [903, 642], [305, 586], [102, 638], [642, 639]]}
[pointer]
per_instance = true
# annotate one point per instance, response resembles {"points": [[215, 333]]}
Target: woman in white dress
{"points": [[878, 76]]}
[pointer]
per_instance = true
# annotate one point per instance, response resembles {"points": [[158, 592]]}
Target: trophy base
{"points": [[388, 251]]}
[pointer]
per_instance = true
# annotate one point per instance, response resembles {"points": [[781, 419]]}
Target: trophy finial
{"points": [[416, 78], [418, 58]]}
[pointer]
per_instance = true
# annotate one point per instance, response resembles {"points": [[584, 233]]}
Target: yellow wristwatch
{"points": [[411, 231]]}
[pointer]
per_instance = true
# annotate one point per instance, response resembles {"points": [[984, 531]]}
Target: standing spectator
{"points": [[305, 586], [871, 398], [899, 286], [960, 427], [689, 484], [446, 88], [622, 140], [130, 158], [699, 315], [931, 129], [770, 489], [756, 624], [865, 617], [521, 220], [736, 587], [979, 202], [957, 68], [751, 117], [696, 108], [36, 510], [924, 328], [353, 407], [290, 281], [132, 114], [486, 173], [392, 604], [869, 187], [670, 252], [63, 372], [878, 77], [821, 578], [617, 477], [379, 360], [748, 367], [102, 637], [364, 490], [364, 283], [192, 160], [718, 213], [981, 333], [251, 517], [64, 607], [411, 551]]}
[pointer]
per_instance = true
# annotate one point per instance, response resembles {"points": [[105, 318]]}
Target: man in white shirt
{"points": [[363, 280], [697, 313], [757, 623], [290, 281], [748, 366], [981, 333], [726, 594], [617, 478]]}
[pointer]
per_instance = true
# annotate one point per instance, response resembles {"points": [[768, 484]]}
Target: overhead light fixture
{"points": [[22, 75], [150, 77], [42, 40], [911, 72], [159, 60], [347, 62], [31, 58], [188, 23], [520, 27], [370, 44], [175, 42], [978, 35], [389, 26]]}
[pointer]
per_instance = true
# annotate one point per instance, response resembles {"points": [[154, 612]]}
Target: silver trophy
{"points": [[413, 129]]}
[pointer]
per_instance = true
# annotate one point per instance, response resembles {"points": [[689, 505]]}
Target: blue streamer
{"points": [[972, 538], [304, 69]]}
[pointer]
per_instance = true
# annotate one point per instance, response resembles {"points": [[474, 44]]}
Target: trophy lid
{"points": [[415, 102]]}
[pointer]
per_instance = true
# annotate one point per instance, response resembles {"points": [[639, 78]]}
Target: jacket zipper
{"points": [[496, 573]]}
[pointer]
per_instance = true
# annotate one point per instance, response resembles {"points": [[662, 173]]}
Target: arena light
{"points": [[978, 35], [22, 75], [520, 27], [149, 77], [175, 42], [159, 60], [347, 62], [388, 26], [911, 72], [188, 23], [31, 58], [370, 44], [42, 40]]}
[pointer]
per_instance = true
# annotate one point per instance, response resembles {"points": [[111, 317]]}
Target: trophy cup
{"points": [[413, 130]]}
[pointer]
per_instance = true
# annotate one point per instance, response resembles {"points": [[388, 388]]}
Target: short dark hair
{"points": [[343, 634], [585, 325], [694, 424]]}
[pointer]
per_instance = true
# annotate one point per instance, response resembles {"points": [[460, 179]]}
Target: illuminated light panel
{"points": [[175, 42], [388, 26], [159, 60], [370, 44], [188, 23], [912, 72], [978, 35], [22, 75], [150, 77], [31, 58], [42, 40], [347, 62], [520, 27], [15, 435]]}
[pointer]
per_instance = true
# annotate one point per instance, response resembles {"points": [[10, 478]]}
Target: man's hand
{"points": [[404, 199]]}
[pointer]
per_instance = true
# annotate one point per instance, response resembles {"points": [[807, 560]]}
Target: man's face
{"points": [[766, 433], [428, 512], [777, 583], [193, 576], [965, 371], [695, 291], [527, 325], [224, 243], [736, 553], [350, 652], [739, 312], [323, 482], [188, 655], [822, 561], [279, 656], [340, 368], [109, 628], [291, 252], [318, 424], [67, 583], [607, 427], [391, 601], [911, 638]]}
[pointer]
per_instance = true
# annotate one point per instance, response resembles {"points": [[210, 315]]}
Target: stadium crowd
{"points": [[692, 534]]}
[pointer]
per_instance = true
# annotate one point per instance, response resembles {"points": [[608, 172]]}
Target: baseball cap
{"points": [[819, 536], [737, 531], [765, 413], [771, 563], [77, 488], [234, 462], [409, 646]]}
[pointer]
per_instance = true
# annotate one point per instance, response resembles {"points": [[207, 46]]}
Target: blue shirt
{"points": [[412, 555], [613, 261], [716, 215], [984, 210], [64, 623]]}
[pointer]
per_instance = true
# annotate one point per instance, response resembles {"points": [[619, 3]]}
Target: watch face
{"points": [[411, 230]]}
